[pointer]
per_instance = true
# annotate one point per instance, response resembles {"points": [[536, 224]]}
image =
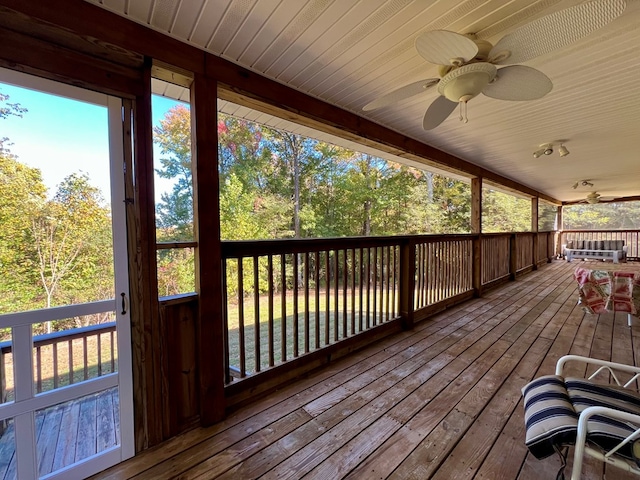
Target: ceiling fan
{"points": [[467, 66], [595, 197]]}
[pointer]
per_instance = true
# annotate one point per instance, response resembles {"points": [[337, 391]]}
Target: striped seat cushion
{"points": [[603, 431], [550, 419]]}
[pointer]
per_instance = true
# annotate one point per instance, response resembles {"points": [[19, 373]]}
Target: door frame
{"points": [[26, 402]]}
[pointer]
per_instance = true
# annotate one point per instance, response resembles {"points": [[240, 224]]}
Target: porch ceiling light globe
{"points": [[466, 82]]}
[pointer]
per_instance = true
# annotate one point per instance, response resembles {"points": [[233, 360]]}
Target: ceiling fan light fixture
{"points": [[593, 197], [466, 82]]}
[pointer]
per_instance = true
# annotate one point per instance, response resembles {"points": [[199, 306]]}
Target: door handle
{"points": [[124, 303]]}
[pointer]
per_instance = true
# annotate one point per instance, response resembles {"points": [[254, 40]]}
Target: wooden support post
{"points": [[141, 238], [476, 246], [407, 282], [208, 253], [559, 234], [476, 227], [513, 256]]}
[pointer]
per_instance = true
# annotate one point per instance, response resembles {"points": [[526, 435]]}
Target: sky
{"points": [[62, 136]]}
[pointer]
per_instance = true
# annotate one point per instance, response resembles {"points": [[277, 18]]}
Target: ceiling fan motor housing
{"points": [[467, 81]]}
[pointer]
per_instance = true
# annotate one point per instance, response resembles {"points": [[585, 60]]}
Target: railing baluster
{"points": [[368, 289], [360, 287], [353, 291], [99, 345], [241, 342], [335, 296], [113, 352], [39, 369], [85, 355], [345, 280], [70, 355], [228, 375], [374, 287], [381, 291], [306, 302], [296, 335], [394, 281], [317, 295], [270, 325], [256, 315], [327, 310], [283, 308], [55, 365]]}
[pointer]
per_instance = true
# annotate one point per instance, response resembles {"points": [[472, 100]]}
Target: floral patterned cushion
{"points": [[601, 291]]}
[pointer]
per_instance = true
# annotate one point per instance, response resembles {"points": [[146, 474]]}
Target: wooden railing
{"points": [[65, 357], [631, 238], [444, 269], [288, 298]]}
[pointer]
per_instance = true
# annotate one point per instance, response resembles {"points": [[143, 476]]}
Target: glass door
{"points": [[66, 401]]}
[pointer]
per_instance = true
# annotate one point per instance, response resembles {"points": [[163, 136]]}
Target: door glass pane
{"points": [[76, 354], [7, 450], [54, 204], [73, 431]]}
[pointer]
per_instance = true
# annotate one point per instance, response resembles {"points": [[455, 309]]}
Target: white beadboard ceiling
{"points": [[348, 52]]}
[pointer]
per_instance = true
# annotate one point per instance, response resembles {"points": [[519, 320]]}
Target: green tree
{"points": [[6, 110], [174, 213], [502, 212], [72, 244], [22, 195]]}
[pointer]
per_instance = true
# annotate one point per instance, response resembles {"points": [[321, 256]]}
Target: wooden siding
{"points": [[440, 401]]}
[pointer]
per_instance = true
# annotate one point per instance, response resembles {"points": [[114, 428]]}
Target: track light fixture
{"points": [[562, 150], [547, 149], [584, 183]]}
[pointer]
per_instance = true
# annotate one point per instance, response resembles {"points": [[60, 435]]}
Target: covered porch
{"points": [[439, 401]]}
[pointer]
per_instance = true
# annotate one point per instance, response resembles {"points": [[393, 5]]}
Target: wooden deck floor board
{"points": [[442, 401]]}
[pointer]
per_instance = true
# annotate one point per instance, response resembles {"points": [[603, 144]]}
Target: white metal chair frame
{"points": [[582, 448]]}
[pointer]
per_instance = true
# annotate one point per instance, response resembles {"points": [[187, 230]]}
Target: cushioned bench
{"points": [[596, 249], [601, 420]]}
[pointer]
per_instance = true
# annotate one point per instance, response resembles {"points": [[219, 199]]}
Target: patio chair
{"points": [[602, 420]]}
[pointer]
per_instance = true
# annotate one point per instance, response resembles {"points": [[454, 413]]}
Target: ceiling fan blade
{"points": [[518, 82], [441, 46], [401, 93], [555, 31], [438, 112]]}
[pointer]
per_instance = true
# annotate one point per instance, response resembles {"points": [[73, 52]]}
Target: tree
{"points": [[175, 210], [11, 109], [22, 194], [502, 212], [71, 239]]}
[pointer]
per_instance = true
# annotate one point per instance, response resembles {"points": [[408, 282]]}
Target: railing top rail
{"points": [[64, 335], [600, 231], [250, 248]]}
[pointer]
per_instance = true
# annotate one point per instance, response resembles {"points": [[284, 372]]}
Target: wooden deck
{"points": [[442, 401], [67, 433]]}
